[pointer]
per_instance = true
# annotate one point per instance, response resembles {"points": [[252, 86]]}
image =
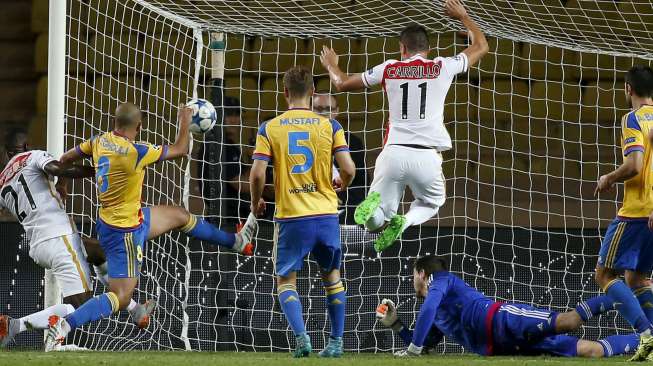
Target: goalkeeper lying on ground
{"points": [[454, 309]]}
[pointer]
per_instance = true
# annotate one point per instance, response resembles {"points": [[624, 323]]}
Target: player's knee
{"points": [[589, 349], [123, 300], [568, 322], [636, 280], [180, 215], [603, 276]]}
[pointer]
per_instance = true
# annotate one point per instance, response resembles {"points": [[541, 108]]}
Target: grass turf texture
{"points": [[142, 358]]}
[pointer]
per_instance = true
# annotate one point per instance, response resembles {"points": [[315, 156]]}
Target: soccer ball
{"points": [[204, 116]]}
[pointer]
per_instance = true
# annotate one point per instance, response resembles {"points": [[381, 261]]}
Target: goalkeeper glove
{"points": [[411, 351], [386, 313]]}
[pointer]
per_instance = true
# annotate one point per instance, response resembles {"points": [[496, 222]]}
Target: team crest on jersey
{"points": [[14, 166]]}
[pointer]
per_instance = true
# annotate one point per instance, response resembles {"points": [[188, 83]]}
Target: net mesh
{"points": [[534, 125]]}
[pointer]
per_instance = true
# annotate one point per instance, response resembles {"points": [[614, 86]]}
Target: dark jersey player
{"points": [[453, 309]]}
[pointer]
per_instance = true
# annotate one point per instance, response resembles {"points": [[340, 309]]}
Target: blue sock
{"points": [[594, 306], [336, 302], [645, 297], [292, 308], [199, 229], [627, 305], [619, 344], [96, 308]]}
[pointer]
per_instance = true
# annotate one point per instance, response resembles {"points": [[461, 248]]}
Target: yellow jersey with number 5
{"points": [[300, 144], [638, 191], [119, 171]]}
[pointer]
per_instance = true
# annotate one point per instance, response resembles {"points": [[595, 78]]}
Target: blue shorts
{"points": [[294, 240], [124, 247], [627, 245], [520, 327]]}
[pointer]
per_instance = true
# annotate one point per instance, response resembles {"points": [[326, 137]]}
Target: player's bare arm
{"points": [[631, 166], [339, 79], [58, 169], [479, 46], [182, 142], [347, 169], [257, 185]]}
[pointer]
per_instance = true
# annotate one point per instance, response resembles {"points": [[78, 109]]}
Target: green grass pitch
{"points": [[144, 358]]}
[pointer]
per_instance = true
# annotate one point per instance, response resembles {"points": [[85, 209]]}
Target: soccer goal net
{"points": [[534, 125]]}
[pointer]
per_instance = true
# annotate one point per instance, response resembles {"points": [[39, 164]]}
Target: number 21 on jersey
{"points": [[294, 148]]}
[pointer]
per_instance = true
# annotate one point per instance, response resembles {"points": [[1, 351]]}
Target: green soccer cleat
{"points": [[644, 349], [333, 348], [390, 234], [366, 209], [304, 347]]}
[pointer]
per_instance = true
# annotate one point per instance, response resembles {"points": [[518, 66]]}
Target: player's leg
{"points": [[124, 253], [427, 183], [423, 174], [610, 346], [385, 193], [620, 251], [292, 242], [166, 218], [569, 346], [639, 278], [594, 306], [140, 313], [94, 253], [328, 254]]}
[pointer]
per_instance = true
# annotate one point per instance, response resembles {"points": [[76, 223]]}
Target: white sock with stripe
{"points": [[40, 320]]}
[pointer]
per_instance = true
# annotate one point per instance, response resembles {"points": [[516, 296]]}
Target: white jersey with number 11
{"points": [[416, 89]]}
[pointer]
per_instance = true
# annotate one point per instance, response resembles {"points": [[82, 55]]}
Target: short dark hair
{"points": [[12, 136], [231, 106], [640, 79], [415, 38], [299, 81], [430, 264]]}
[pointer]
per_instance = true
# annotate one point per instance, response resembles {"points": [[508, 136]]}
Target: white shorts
{"points": [[66, 257], [400, 166]]}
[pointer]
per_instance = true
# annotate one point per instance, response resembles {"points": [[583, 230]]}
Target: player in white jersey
{"points": [[416, 87], [27, 193]]}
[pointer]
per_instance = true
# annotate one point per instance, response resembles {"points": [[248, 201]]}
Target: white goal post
{"points": [[534, 125]]}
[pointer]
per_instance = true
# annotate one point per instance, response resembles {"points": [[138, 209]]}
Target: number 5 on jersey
{"points": [[294, 148]]}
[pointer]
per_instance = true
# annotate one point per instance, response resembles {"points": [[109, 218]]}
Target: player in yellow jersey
{"points": [[628, 242], [123, 225], [301, 146]]}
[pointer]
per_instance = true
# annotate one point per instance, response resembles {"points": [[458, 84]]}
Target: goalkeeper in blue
{"points": [[301, 145], [453, 309]]}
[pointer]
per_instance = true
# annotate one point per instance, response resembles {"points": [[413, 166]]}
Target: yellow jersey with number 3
{"points": [[119, 171], [300, 144], [638, 191]]}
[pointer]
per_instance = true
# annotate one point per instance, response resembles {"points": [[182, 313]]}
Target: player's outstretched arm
{"points": [[339, 79], [479, 46], [58, 169], [182, 142], [256, 186], [632, 165]]}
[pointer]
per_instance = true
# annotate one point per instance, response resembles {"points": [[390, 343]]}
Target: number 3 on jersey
{"points": [[101, 174], [295, 149]]}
